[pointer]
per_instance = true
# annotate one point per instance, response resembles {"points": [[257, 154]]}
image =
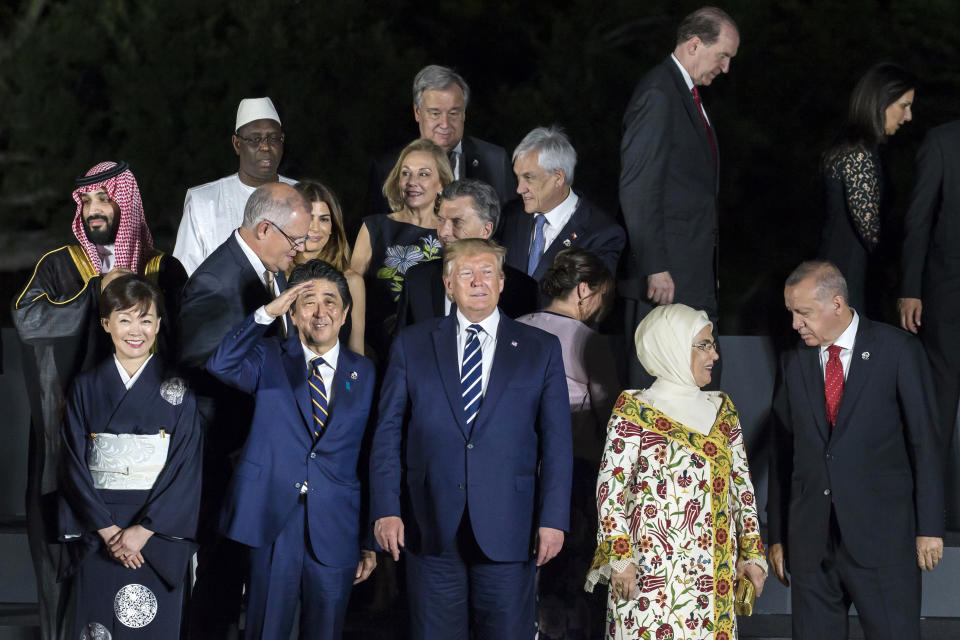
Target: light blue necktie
{"points": [[536, 250], [471, 373]]}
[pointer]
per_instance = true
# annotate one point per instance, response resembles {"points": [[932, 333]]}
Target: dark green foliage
{"points": [[157, 84]]}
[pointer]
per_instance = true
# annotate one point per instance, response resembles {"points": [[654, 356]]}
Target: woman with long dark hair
{"points": [[881, 102]]}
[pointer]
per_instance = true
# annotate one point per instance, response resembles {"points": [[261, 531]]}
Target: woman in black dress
{"points": [[390, 243], [853, 172]]}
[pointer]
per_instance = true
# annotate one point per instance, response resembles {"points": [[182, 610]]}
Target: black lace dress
{"points": [[397, 246], [851, 235]]}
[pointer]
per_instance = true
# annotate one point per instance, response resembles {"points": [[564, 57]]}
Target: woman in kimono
{"points": [[678, 517], [130, 478]]}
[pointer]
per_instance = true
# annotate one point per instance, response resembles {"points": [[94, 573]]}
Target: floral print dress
{"points": [[396, 246], [680, 505]]}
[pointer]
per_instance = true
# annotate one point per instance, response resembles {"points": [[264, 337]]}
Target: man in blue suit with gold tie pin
{"points": [[472, 457], [295, 497]]}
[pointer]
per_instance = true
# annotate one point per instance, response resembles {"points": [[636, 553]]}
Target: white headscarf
{"points": [[664, 340]]}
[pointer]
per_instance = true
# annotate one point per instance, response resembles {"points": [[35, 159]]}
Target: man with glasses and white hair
{"points": [[242, 275], [554, 217], [440, 100], [213, 210]]}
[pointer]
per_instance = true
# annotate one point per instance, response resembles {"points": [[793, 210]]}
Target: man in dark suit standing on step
{"points": [[855, 507], [440, 100], [668, 178], [930, 285], [468, 209], [553, 217], [243, 274]]}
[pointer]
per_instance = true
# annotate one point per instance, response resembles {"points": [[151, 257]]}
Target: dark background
{"points": [[157, 84]]}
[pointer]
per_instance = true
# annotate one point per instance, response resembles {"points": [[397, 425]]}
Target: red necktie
{"points": [[833, 384], [706, 125]]}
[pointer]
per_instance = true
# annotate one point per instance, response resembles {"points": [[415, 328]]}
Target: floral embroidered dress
{"points": [[680, 505], [396, 246]]}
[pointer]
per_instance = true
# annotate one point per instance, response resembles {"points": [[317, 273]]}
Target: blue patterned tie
{"points": [[536, 250], [471, 373], [318, 396]]}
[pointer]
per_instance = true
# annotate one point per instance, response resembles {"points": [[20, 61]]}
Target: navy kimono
{"points": [[129, 603]]}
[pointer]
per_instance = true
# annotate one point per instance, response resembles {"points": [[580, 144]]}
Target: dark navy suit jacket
{"points": [[281, 452], [588, 228], [512, 469], [879, 467], [221, 292]]}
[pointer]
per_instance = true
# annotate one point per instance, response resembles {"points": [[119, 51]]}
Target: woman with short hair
{"points": [[129, 478]]}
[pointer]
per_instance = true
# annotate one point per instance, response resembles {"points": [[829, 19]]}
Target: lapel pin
{"points": [[475, 162], [566, 242], [865, 355], [353, 375], [513, 343]]}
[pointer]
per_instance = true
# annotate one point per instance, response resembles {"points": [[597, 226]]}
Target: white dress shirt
{"points": [[488, 343], [105, 251], [128, 380], [689, 81], [557, 219], [846, 343], [210, 212], [260, 315], [327, 369], [457, 167]]}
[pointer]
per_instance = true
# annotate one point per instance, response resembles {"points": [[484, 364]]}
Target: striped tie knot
{"points": [[318, 396], [471, 373]]}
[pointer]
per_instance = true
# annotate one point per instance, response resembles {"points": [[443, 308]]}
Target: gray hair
{"points": [[704, 23], [433, 77], [486, 202], [262, 205], [829, 281], [555, 150]]}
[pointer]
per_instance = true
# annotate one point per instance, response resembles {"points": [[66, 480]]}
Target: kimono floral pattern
{"points": [[399, 258], [681, 505]]}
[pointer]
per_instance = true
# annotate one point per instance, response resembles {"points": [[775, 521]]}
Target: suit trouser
{"points": [[941, 341], [285, 573], [461, 590], [221, 563], [887, 598]]}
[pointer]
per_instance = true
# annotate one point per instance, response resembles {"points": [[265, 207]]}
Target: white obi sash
{"points": [[126, 460]]}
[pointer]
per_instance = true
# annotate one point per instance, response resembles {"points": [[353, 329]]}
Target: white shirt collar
{"points": [[848, 337], [128, 380], [683, 71], [254, 259], [330, 358], [560, 214], [489, 324]]}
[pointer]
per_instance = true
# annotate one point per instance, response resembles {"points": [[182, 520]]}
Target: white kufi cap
{"points": [[251, 109]]}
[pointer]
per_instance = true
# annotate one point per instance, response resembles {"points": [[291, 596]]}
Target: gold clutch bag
{"points": [[746, 596]]}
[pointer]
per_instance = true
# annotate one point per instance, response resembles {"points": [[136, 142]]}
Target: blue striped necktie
{"points": [[318, 396], [471, 373], [536, 249]]}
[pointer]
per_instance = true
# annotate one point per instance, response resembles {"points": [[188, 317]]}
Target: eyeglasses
{"points": [[294, 244], [272, 140], [706, 346]]}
